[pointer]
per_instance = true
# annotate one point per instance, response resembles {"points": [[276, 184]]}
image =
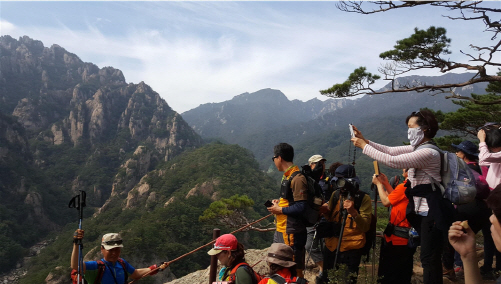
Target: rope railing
{"points": [[199, 248]]}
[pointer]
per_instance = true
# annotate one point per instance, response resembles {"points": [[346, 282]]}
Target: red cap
{"points": [[224, 242]]}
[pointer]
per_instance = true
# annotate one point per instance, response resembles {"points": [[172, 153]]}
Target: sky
{"points": [[193, 52]]}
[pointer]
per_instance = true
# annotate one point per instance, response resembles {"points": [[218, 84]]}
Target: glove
{"points": [[78, 236], [153, 267]]}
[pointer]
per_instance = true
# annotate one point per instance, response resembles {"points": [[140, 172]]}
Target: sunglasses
{"points": [[113, 243], [273, 159], [417, 113]]}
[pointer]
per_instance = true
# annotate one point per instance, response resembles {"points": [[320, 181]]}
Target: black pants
{"points": [[297, 246], [490, 249], [432, 241], [350, 258], [477, 213], [395, 263]]}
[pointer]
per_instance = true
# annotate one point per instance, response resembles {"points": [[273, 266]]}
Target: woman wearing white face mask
{"points": [[429, 213]]}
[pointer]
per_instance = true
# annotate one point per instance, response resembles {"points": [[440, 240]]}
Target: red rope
{"points": [[199, 248]]}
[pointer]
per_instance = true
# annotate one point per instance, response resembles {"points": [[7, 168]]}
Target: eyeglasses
{"points": [[273, 159], [113, 243]]}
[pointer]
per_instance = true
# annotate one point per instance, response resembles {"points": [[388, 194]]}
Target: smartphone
{"points": [[351, 130], [376, 168], [268, 203]]}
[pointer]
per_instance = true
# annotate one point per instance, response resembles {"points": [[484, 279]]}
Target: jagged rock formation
{"points": [[68, 125], [61, 100]]}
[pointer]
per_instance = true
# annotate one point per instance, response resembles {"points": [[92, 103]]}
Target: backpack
{"points": [[280, 280], [458, 181], [370, 235], [315, 196], [101, 267], [256, 278]]}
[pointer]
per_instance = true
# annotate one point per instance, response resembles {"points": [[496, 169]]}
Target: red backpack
{"points": [[255, 276], [101, 267]]}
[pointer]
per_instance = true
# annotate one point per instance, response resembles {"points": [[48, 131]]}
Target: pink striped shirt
{"points": [[486, 158], [402, 157]]}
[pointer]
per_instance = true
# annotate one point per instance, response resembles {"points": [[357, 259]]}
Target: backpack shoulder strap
{"points": [[100, 271], [126, 274], [359, 198], [277, 278], [443, 166], [234, 271], [293, 175]]}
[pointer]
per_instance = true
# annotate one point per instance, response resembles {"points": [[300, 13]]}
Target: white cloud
{"points": [[198, 52], [6, 27]]}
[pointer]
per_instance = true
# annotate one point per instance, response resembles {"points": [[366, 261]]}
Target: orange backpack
{"points": [[255, 276]]}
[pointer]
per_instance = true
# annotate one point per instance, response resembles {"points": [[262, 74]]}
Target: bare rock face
{"points": [[206, 189], [57, 132], [132, 170], [60, 275]]}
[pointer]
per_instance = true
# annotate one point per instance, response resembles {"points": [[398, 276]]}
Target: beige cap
{"points": [[315, 159], [112, 240]]}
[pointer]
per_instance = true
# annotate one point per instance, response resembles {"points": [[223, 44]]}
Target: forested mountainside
{"points": [[159, 217], [68, 125]]}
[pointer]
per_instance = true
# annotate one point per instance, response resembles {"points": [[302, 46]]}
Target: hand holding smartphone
{"points": [[268, 203]]}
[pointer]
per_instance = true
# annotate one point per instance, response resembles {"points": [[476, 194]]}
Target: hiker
{"points": [[396, 256], [359, 208], [490, 155], [463, 239], [476, 212], [116, 269], [231, 255], [289, 209], [282, 267], [313, 244], [428, 212]]}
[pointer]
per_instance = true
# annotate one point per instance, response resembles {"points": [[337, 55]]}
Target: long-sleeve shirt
{"points": [[493, 160], [422, 164]]}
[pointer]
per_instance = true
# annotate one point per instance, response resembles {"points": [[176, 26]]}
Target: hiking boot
{"points": [[449, 274], [487, 273]]}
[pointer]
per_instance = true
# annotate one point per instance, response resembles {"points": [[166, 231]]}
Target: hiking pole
{"points": [[197, 249], [78, 202], [343, 223], [374, 241], [312, 243]]}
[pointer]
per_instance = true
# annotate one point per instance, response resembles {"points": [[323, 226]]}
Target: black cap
{"points": [[345, 171], [468, 147]]}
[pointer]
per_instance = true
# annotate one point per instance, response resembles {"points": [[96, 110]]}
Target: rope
{"points": [[199, 248]]}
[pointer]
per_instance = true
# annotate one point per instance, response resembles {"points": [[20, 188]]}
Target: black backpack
{"points": [[315, 196], [370, 235]]}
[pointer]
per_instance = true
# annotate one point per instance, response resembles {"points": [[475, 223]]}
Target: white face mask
{"points": [[415, 135]]}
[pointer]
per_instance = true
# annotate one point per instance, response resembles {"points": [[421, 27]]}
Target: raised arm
{"points": [[74, 253], [418, 159], [485, 157], [383, 185]]}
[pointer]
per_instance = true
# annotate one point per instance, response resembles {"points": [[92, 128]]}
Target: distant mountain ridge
{"points": [[254, 112], [259, 120]]}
